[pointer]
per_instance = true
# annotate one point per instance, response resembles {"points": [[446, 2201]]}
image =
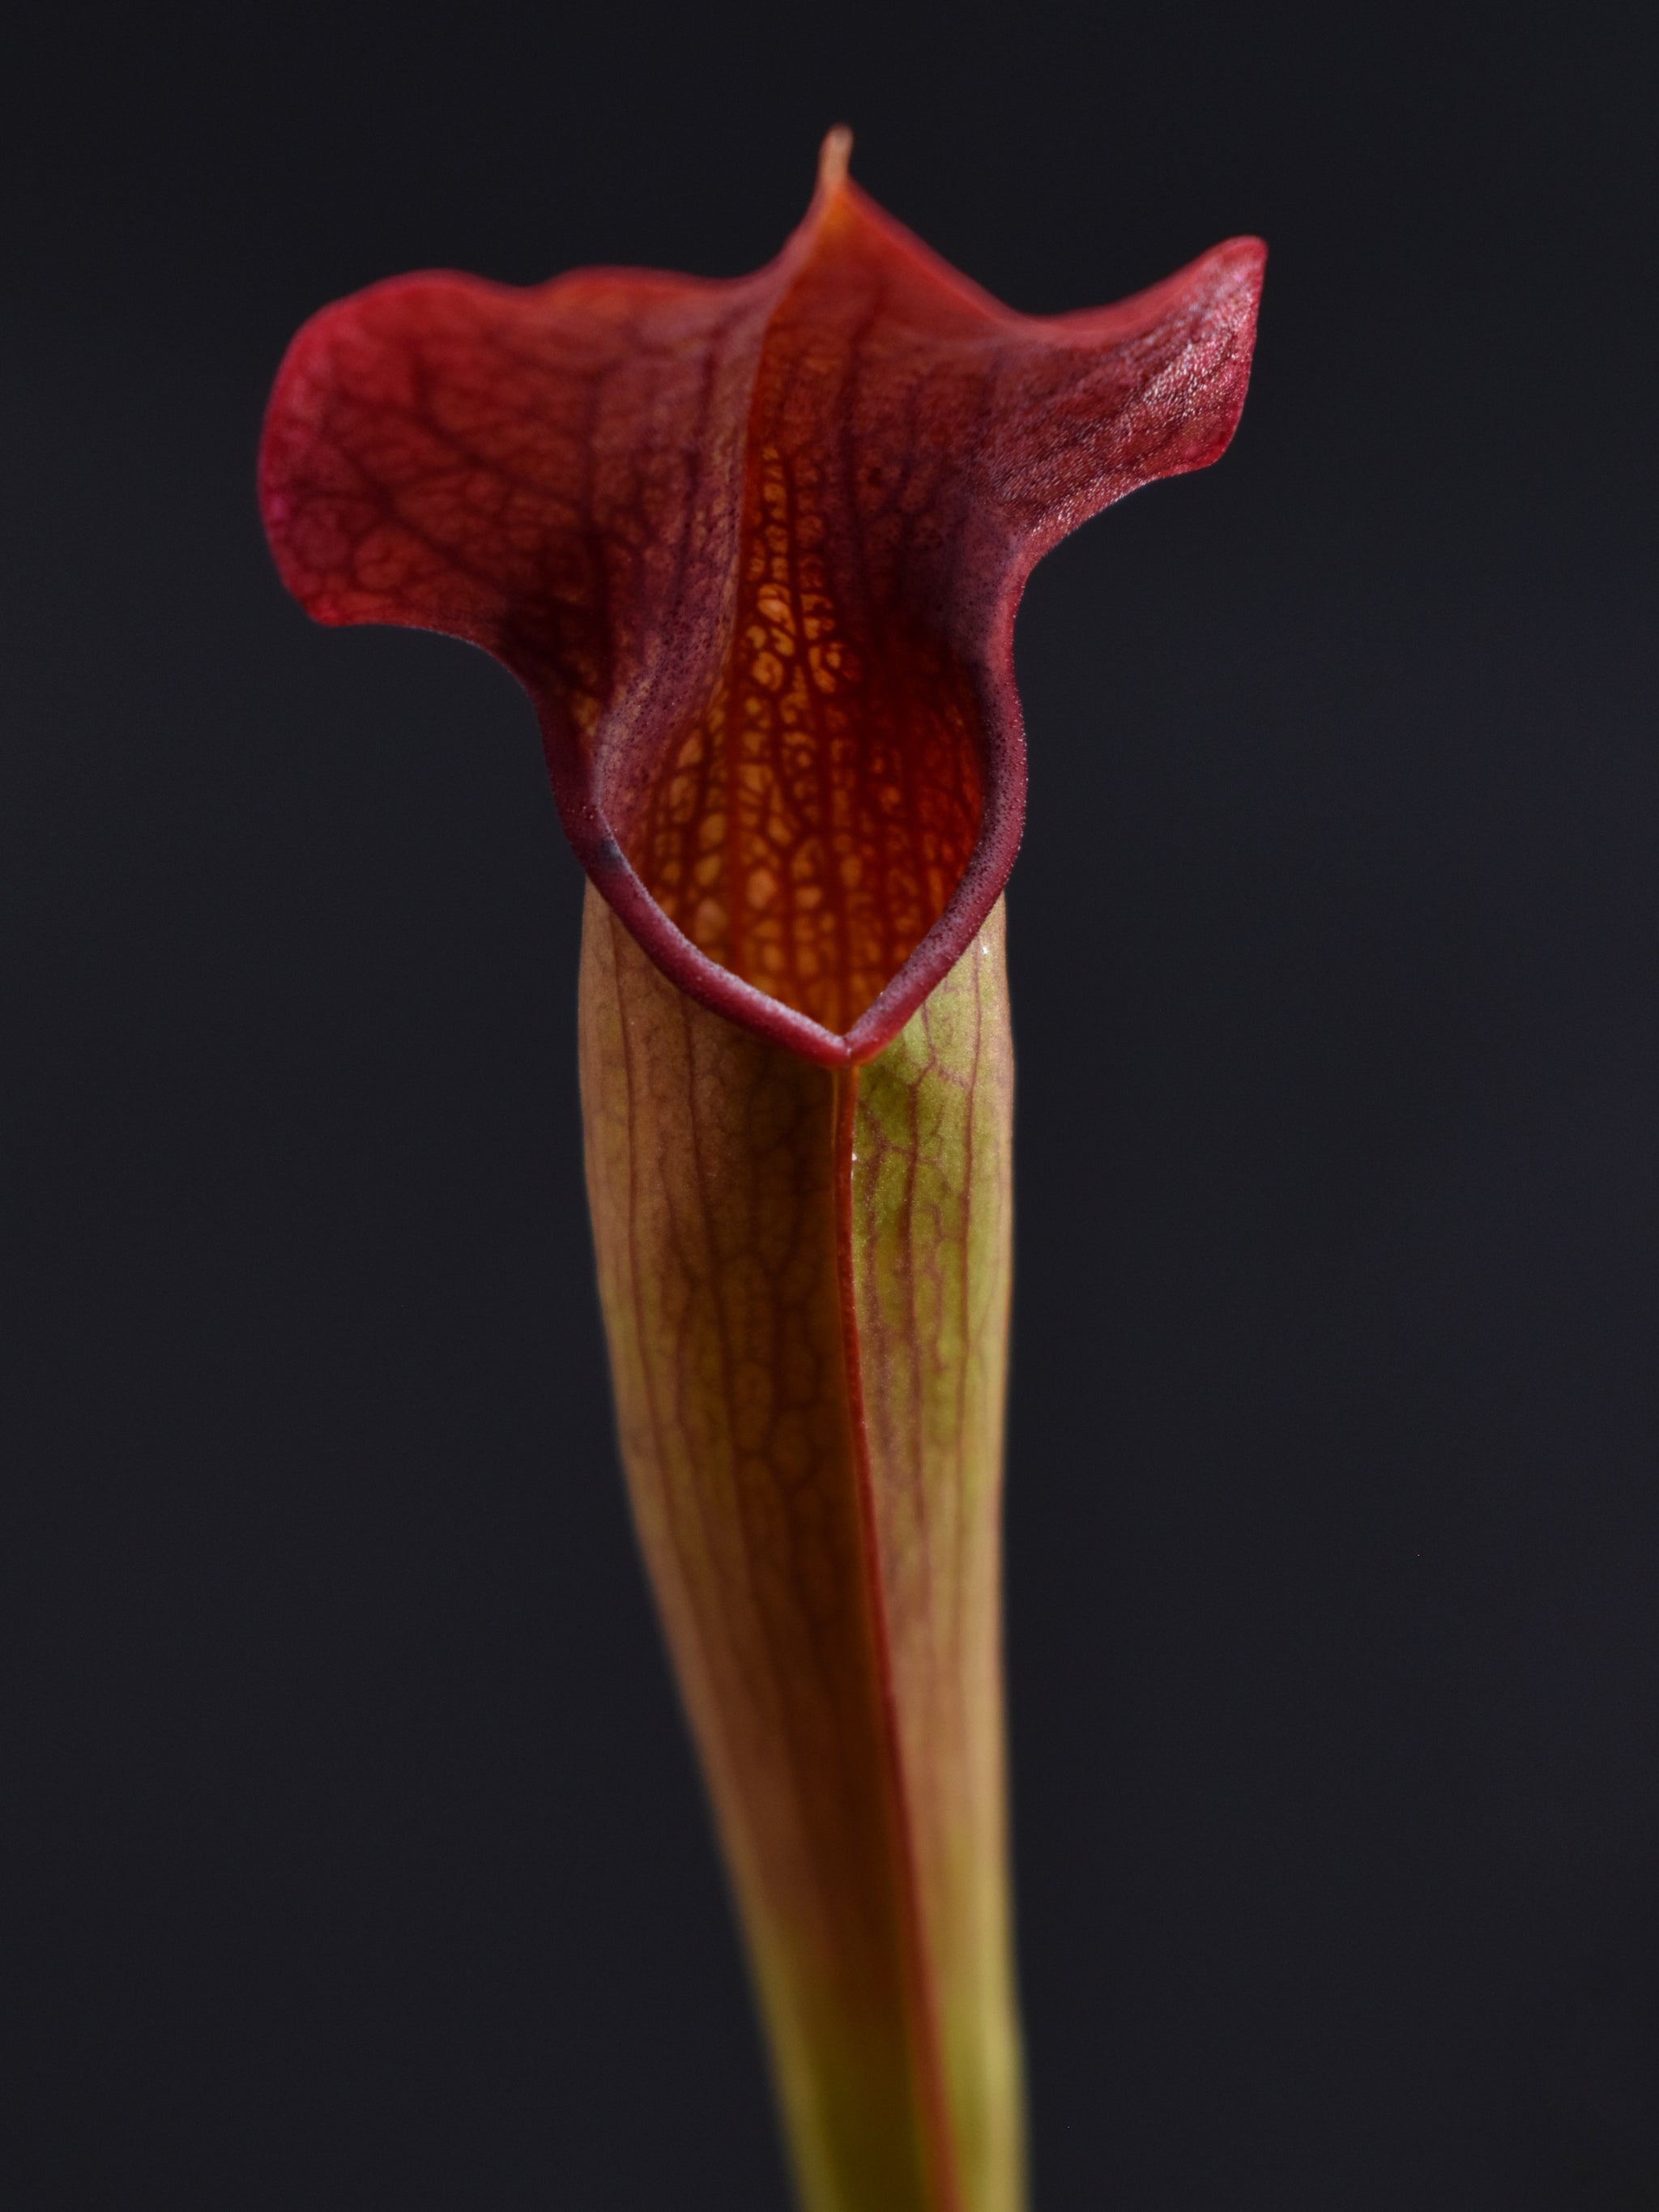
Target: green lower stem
{"points": [[805, 1281]]}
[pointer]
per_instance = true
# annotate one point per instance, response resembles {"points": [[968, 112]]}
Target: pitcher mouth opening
{"points": [[753, 545]]}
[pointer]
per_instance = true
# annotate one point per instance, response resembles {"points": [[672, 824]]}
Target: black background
{"points": [[362, 1862]]}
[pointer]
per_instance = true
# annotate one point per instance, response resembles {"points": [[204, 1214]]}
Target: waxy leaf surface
{"points": [[754, 547], [805, 1278]]}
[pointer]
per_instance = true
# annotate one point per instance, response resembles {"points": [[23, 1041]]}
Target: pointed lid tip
{"points": [[833, 157]]}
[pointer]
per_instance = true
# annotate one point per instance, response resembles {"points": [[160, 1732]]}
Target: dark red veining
{"points": [[754, 548]]}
